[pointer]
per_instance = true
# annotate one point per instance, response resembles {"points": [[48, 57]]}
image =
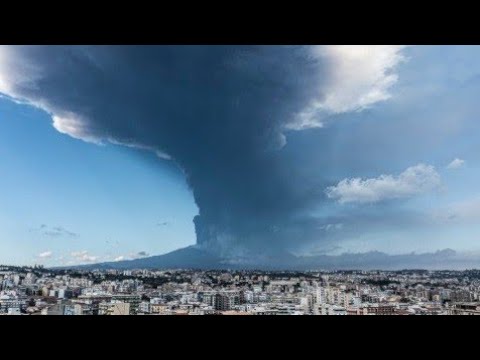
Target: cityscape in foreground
{"points": [[40, 291]]}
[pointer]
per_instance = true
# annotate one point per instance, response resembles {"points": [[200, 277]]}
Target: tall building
{"points": [[114, 308], [227, 300], [57, 309], [13, 311], [208, 298], [465, 309], [132, 299], [73, 309], [461, 296]]}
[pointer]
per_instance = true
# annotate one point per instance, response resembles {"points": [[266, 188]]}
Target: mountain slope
{"points": [[189, 257], [194, 258]]}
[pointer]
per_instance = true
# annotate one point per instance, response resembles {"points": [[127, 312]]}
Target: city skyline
{"points": [[40, 291], [306, 150]]}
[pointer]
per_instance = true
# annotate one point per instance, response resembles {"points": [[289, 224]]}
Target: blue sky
{"points": [[374, 149], [115, 201]]}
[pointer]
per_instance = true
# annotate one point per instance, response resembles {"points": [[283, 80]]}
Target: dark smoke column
{"points": [[218, 111]]}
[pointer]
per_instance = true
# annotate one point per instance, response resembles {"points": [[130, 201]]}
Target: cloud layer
{"points": [[358, 77], [83, 256], [53, 231], [456, 164], [413, 181], [45, 255]]}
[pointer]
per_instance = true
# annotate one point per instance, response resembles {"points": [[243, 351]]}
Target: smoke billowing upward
{"points": [[220, 112]]}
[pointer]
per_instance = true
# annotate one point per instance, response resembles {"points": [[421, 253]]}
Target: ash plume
{"points": [[221, 113]]}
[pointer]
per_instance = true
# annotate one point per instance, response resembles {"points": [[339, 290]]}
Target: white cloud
{"points": [[71, 124], [413, 181], [135, 145], [456, 164], [83, 256], [162, 155], [45, 255], [132, 256], [331, 227], [357, 77], [16, 72]]}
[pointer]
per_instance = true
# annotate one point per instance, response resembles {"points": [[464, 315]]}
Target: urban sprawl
{"points": [[39, 291]]}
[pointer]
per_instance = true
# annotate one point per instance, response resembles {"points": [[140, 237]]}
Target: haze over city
{"points": [[241, 155]]}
